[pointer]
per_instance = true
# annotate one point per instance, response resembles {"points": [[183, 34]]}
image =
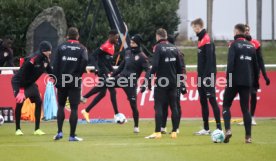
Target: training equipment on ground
{"points": [[217, 136], [120, 118], [1, 120]]}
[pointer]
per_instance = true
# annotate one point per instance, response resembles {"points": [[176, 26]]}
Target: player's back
{"points": [[168, 64], [244, 60], [71, 59]]}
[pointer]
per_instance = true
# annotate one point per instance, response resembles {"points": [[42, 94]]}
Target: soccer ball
{"points": [[217, 136], [120, 118], [1, 120]]}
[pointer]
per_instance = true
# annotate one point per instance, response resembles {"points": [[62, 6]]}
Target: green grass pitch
{"points": [[112, 142]]}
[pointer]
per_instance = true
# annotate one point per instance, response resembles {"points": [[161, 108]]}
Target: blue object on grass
{"points": [[50, 102]]}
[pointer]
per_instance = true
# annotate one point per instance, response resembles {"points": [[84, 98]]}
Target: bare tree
{"points": [[273, 23], [210, 17], [259, 19], [246, 12]]}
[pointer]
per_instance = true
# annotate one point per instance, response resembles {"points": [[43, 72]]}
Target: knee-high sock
{"points": [[205, 112], [18, 115], [216, 111], [93, 91], [135, 112], [244, 102], [113, 100], [37, 113], [227, 117], [73, 120], [175, 118], [60, 117], [165, 115], [96, 100], [253, 104]]}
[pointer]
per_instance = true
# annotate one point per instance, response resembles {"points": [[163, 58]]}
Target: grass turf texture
{"points": [[113, 142]]}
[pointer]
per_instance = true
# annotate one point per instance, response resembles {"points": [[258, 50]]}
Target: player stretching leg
{"points": [[104, 61], [134, 63]]}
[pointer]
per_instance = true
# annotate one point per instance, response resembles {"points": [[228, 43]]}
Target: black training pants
{"points": [[163, 97], [101, 90], [166, 111], [203, 91], [33, 94], [229, 95], [73, 93]]}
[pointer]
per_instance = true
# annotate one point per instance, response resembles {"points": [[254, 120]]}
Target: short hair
{"points": [[171, 39], [197, 21], [240, 27], [247, 26], [113, 32], [162, 33], [73, 33]]}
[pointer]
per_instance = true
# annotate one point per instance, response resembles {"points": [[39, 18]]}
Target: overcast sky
{"points": [[227, 13]]}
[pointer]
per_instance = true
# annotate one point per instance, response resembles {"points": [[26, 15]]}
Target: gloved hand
{"points": [[256, 85], [143, 88], [183, 89], [267, 81], [20, 96], [96, 72], [149, 86]]}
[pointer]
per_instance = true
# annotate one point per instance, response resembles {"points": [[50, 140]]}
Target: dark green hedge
{"points": [[141, 16]]}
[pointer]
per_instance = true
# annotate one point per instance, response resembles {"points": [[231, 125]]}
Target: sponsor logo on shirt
{"points": [[170, 59], [242, 57], [64, 58]]}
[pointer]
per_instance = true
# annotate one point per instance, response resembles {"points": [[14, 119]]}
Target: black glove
{"points": [[256, 85], [267, 81], [183, 89], [149, 86], [96, 72], [143, 88]]}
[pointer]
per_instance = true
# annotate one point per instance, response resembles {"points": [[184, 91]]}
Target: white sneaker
{"points": [[136, 130], [83, 100], [75, 139], [156, 135], [241, 123], [163, 130], [203, 132], [254, 123]]}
